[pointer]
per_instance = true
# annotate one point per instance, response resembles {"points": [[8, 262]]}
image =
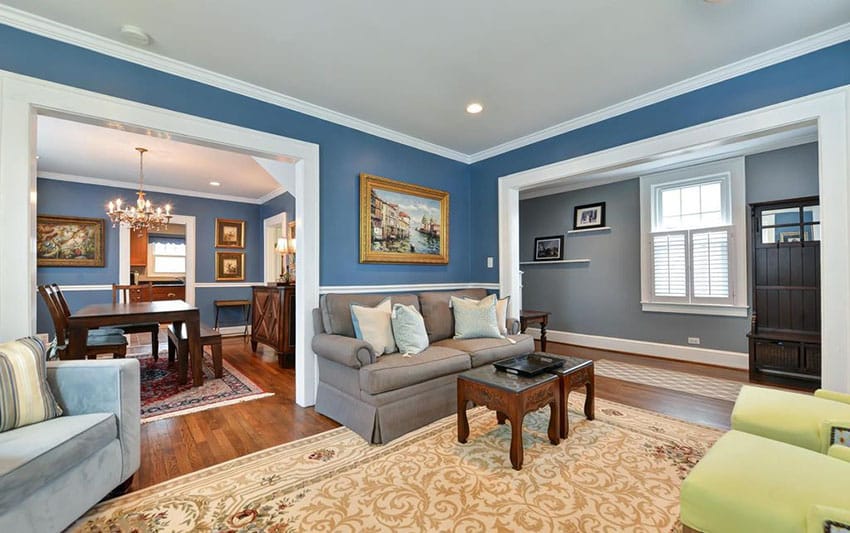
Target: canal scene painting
{"points": [[402, 223]]}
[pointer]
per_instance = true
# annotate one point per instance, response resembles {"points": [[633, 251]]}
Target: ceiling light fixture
{"points": [[143, 215], [215, 184], [474, 108], [135, 35]]}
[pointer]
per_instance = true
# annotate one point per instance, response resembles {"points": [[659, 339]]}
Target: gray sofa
{"points": [[52, 472], [382, 398]]}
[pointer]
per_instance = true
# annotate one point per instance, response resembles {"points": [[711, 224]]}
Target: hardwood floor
{"points": [[184, 444]]}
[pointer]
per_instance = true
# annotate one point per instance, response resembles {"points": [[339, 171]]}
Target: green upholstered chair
{"points": [[814, 422], [747, 483]]}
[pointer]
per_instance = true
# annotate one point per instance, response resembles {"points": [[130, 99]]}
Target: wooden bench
{"points": [[179, 345]]}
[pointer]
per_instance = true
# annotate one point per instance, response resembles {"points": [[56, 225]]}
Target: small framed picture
{"points": [[549, 248], [230, 266], [229, 233], [589, 216]]}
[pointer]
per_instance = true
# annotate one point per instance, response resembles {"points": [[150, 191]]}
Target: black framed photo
{"points": [[549, 248], [589, 216]]}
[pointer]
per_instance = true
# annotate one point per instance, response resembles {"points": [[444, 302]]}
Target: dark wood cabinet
{"points": [[273, 320], [168, 292], [785, 332], [138, 248]]}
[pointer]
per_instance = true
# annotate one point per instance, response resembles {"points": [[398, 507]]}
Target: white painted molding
{"points": [[233, 331], [561, 261], [706, 356], [85, 288], [274, 194], [67, 34], [815, 42], [588, 230], [742, 311], [227, 284], [357, 289], [270, 270], [58, 176]]}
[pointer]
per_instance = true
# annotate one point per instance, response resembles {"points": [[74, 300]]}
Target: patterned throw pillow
{"points": [[501, 313], [373, 325], [475, 319], [409, 329], [25, 396]]}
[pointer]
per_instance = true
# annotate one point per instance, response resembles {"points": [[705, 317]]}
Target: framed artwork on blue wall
{"points": [[229, 233], [230, 266], [69, 241]]}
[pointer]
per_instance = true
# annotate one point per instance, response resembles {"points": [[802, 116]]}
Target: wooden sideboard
{"points": [[273, 320]]}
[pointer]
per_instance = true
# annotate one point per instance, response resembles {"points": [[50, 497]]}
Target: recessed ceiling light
{"points": [[215, 183], [474, 108], [135, 35]]}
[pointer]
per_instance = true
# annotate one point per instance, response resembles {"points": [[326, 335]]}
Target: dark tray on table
{"points": [[532, 364]]}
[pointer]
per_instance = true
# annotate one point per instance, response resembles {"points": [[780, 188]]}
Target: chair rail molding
{"points": [[828, 109], [419, 287], [22, 98]]}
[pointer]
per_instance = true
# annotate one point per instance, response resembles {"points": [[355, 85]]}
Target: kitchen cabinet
{"points": [[138, 248]]}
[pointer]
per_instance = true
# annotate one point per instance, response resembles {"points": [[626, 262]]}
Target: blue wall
{"points": [[344, 152], [811, 73], [279, 204]]}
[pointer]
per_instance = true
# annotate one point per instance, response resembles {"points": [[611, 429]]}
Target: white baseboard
{"points": [[233, 331], [705, 356]]}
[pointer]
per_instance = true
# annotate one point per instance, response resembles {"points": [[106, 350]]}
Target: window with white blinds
{"points": [[710, 264], [669, 265]]}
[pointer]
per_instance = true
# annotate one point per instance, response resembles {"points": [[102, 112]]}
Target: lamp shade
{"points": [[282, 246]]}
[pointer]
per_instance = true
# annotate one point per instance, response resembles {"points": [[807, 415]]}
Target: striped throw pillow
{"points": [[25, 396]]}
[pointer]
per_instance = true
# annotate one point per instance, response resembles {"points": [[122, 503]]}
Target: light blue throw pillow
{"points": [[475, 319], [409, 329]]}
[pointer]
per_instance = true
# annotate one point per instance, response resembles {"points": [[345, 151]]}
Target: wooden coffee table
{"points": [[512, 397], [575, 373]]}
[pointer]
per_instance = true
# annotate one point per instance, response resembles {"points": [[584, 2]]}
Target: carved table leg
{"points": [[516, 419], [501, 417], [543, 324], [554, 415], [564, 393], [589, 401], [462, 421], [253, 345]]}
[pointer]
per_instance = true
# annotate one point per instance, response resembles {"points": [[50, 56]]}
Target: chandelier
{"points": [[143, 215]]}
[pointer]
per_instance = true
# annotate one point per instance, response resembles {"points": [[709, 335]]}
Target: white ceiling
{"points": [[413, 66], [69, 149]]}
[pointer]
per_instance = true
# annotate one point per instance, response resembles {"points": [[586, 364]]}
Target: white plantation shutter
{"points": [[710, 264], [669, 265]]}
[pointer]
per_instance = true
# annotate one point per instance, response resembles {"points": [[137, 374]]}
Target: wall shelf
{"points": [[588, 230], [555, 262]]}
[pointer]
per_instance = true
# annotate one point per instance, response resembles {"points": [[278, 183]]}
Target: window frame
{"points": [[734, 219], [151, 273]]}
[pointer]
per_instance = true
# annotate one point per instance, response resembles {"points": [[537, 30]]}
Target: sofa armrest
{"points": [[833, 395], [839, 452], [344, 350], [106, 386], [512, 326], [821, 517]]}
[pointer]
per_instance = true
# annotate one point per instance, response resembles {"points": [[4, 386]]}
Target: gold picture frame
{"points": [[229, 233], [402, 223], [70, 241], [230, 266]]}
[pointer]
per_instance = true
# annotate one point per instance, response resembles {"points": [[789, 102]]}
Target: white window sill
{"points": [[696, 309]]}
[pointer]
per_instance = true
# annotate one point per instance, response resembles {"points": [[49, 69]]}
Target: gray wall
{"points": [[603, 297]]}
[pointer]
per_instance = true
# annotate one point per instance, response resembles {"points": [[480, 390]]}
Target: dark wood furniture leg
{"points": [[77, 341], [462, 421], [215, 346], [516, 418], [193, 332], [586, 378], [543, 323]]}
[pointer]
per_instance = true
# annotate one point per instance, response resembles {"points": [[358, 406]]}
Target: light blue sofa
{"points": [[52, 472]]}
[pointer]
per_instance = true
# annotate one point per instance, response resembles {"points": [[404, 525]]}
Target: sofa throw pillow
{"points": [[25, 396], [501, 313], [409, 329], [374, 325], [475, 319]]}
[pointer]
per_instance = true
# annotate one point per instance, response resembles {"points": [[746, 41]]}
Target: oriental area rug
{"points": [[620, 472]]}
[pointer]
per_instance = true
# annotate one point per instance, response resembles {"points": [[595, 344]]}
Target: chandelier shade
{"points": [[143, 215]]}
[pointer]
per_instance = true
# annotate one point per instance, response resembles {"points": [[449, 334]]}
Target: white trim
{"points": [[227, 284], [85, 288], [561, 261], [706, 356], [233, 331], [696, 309], [588, 230], [829, 109], [59, 176], [67, 34], [23, 97], [274, 194], [269, 263], [357, 289], [812, 43]]}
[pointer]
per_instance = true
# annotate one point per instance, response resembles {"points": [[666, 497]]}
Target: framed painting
{"points": [[229, 233], [402, 223], [549, 248], [589, 216], [230, 266], [69, 241]]}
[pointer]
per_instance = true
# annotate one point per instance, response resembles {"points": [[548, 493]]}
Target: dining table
{"points": [[113, 314]]}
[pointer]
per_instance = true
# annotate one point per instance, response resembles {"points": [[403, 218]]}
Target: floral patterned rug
{"points": [[620, 472]]}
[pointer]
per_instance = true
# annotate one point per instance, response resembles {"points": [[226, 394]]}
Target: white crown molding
{"points": [[67, 34], [58, 176], [804, 46], [274, 194], [705, 356], [356, 289]]}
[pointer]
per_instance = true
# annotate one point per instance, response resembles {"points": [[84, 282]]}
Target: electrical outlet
{"points": [[693, 340], [489, 262]]}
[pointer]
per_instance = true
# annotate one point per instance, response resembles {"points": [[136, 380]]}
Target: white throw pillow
{"points": [[475, 319], [374, 325], [501, 313]]}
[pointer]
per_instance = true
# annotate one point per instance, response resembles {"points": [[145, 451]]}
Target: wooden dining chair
{"points": [[96, 344], [138, 293], [59, 297]]}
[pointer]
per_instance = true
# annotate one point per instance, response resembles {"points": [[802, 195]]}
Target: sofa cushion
{"points": [[25, 396], [485, 351], [32, 455], [336, 309], [394, 371], [438, 316]]}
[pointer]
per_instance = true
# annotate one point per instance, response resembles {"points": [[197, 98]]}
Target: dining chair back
{"points": [[60, 320], [125, 293], [59, 297]]}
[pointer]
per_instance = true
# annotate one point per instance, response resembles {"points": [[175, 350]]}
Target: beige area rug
{"points": [[621, 472], [722, 389]]}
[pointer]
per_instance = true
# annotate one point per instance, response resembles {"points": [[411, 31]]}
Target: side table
{"points": [[527, 316], [575, 373]]}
